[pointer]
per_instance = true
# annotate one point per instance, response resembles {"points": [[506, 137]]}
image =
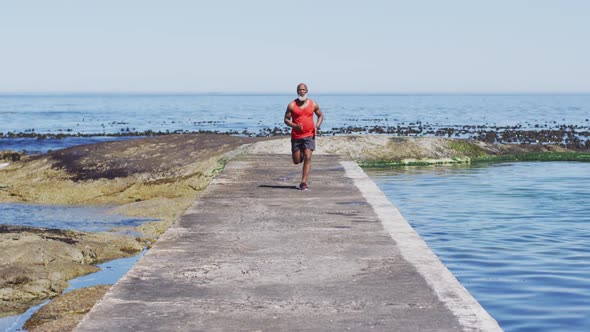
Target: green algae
{"points": [[469, 149], [412, 162], [536, 156], [487, 158]]}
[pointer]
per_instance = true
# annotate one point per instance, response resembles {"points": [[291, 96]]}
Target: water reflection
{"points": [[81, 218]]}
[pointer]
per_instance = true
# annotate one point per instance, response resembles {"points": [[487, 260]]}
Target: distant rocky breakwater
{"points": [[570, 136], [160, 177]]}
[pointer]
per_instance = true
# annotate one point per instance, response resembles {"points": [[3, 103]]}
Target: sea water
{"points": [[94, 114], [516, 235], [251, 114]]}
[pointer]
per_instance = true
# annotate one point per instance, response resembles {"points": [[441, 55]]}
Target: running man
{"points": [[299, 116]]}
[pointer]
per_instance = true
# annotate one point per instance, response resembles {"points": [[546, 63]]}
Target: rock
{"points": [[64, 312], [9, 155], [36, 263]]}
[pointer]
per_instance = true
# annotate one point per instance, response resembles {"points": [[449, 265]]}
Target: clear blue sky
{"points": [[381, 46]]}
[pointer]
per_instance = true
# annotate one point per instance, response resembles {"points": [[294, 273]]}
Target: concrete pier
{"points": [[255, 254]]}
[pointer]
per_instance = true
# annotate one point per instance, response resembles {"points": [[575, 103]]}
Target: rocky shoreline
{"points": [[36, 263], [159, 177]]}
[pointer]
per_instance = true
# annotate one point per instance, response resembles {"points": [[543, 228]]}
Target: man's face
{"points": [[301, 90]]}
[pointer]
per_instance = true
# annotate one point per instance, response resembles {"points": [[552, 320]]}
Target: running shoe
{"points": [[302, 186]]}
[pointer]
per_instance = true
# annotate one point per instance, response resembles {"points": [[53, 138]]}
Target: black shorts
{"points": [[303, 143]]}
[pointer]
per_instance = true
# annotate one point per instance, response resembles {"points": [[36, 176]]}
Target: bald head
{"points": [[302, 90]]}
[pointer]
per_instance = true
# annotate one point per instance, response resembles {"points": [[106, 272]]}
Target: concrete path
{"points": [[255, 254]]}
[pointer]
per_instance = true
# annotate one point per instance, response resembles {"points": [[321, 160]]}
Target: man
{"points": [[299, 116]]}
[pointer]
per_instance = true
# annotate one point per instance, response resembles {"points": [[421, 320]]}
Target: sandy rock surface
{"points": [[37, 263], [65, 311], [364, 148]]}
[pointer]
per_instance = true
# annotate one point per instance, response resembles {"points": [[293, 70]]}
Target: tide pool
{"points": [[516, 235], [82, 218]]}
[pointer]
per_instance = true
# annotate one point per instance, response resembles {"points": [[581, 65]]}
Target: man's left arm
{"points": [[320, 116]]}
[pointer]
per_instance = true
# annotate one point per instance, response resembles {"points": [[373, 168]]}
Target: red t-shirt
{"points": [[303, 116]]}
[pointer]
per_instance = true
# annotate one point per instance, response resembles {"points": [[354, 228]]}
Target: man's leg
{"points": [[306, 165], [297, 157], [296, 149]]}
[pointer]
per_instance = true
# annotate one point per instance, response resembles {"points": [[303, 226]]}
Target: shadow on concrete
{"points": [[276, 187]]}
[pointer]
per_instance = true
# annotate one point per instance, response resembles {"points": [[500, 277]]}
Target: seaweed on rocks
{"points": [[571, 136]]}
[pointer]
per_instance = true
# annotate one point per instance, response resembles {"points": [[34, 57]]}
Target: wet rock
{"points": [[10, 156]]}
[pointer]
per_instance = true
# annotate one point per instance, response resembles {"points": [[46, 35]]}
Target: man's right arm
{"points": [[288, 116]]}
